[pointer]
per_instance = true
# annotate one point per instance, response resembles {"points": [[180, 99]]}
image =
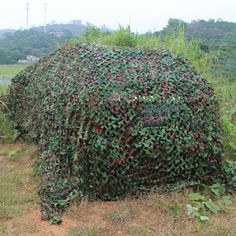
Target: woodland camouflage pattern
{"points": [[115, 121]]}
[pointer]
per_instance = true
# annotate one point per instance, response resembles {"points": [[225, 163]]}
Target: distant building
{"points": [[22, 61], [58, 34], [29, 59]]}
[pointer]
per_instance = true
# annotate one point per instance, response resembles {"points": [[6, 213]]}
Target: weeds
{"points": [[203, 207], [6, 130], [77, 208], [12, 153], [15, 185], [174, 208]]}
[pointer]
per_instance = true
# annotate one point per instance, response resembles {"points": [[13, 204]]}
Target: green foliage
{"points": [[123, 37], [91, 34], [217, 190], [202, 207], [12, 153], [230, 137], [230, 173], [215, 36], [6, 127], [174, 208], [7, 131], [4, 58], [225, 90], [177, 42], [115, 121], [196, 197]]}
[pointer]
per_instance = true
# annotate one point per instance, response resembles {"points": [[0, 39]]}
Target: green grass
{"points": [[3, 89], [7, 72], [17, 184], [10, 200], [15, 193], [11, 70], [11, 153], [6, 127]]}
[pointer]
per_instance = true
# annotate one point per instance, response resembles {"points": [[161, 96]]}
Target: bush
{"points": [[121, 38]]}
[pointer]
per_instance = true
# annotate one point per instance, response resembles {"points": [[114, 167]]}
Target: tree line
{"points": [[218, 36]]}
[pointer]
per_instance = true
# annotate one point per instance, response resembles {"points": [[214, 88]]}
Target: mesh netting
{"points": [[110, 122]]}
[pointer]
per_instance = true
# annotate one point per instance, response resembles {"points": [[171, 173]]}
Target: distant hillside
{"points": [[75, 28], [215, 35], [18, 44], [5, 31], [22, 43]]}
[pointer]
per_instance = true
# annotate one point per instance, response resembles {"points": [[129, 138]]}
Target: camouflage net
{"points": [[110, 122]]}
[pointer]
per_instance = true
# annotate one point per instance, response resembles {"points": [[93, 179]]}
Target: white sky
{"points": [[142, 15]]}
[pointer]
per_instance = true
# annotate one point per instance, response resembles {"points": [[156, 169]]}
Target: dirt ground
{"points": [[154, 214]]}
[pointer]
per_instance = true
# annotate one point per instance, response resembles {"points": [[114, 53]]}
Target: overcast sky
{"points": [[142, 15]]}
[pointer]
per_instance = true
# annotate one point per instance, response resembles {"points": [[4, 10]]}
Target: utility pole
{"points": [[45, 17], [27, 15]]}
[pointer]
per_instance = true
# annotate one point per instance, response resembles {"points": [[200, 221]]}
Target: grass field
{"points": [[11, 70], [7, 72]]}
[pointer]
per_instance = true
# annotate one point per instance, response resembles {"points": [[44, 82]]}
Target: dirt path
{"points": [[32, 225]]}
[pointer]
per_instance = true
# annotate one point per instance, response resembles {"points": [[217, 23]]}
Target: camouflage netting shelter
{"points": [[115, 121]]}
